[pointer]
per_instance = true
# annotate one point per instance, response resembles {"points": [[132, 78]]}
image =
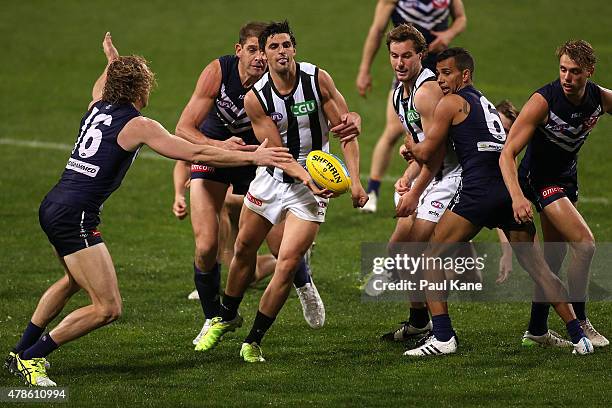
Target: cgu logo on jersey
{"points": [[304, 108], [412, 116]]}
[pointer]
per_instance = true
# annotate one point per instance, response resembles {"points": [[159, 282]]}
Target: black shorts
{"points": [[239, 177], [542, 193], [69, 229], [485, 203]]}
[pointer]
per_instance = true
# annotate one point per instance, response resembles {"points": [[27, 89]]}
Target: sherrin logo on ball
{"points": [[328, 171]]}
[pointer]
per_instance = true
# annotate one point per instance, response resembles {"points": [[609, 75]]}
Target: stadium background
{"points": [[51, 55]]}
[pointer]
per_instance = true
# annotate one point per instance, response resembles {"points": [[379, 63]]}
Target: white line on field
{"points": [[35, 144]]}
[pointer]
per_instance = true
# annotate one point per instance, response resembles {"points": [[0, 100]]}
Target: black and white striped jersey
{"points": [[298, 115], [411, 120], [552, 153]]}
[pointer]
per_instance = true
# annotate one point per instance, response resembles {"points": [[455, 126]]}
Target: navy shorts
{"points": [[543, 193], [69, 229], [485, 203], [239, 177]]}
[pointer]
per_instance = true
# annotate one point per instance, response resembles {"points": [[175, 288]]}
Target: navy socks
{"points": [[42, 348], [30, 336], [208, 285]]}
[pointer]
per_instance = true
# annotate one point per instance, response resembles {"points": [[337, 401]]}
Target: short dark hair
{"points": [[405, 32], [251, 29], [463, 58], [580, 52], [273, 28], [507, 109]]}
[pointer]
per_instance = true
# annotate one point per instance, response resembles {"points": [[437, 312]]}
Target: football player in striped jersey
{"points": [[553, 125]]}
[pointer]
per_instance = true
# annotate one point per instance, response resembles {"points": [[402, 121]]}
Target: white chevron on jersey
{"points": [[234, 118], [421, 13], [565, 136]]}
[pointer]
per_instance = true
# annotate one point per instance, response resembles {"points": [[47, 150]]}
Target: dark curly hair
{"points": [[276, 27], [128, 80]]}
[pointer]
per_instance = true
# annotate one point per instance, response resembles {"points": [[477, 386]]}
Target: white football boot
{"points": [[433, 347], [312, 305], [548, 339], [370, 206], [406, 332], [584, 346], [194, 295], [205, 328], [593, 335]]}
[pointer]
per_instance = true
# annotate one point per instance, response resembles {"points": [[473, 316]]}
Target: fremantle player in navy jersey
{"points": [[554, 124], [292, 104], [110, 135], [431, 18], [471, 122]]}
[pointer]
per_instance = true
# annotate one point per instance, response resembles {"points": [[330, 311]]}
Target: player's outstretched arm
{"points": [[382, 14], [533, 113], [444, 38], [111, 54], [143, 130]]}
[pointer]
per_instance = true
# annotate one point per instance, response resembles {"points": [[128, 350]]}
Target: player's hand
{"points": [[236, 143], [505, 264], [521, 208], [358, 195], [364, 83], [271, 156], [179, 207], [442, 41], [407, 205], [349, 127], [325, 193], [402, 185], [109, 49], [406, 150]]}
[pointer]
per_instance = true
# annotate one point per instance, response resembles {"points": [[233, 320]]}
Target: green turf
{"points": [[51, 57]]}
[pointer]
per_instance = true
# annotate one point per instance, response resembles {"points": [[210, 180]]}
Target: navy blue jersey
{"points": [[97, 163], [425, 15], [479, 139], [552, 152], [227, 117]]}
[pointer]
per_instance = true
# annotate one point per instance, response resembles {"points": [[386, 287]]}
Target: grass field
{"points": [[52, 55]]}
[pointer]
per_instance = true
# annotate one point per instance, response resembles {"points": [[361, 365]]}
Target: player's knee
{"points": [[206, 253], [109, 312], [585, 247], [244, 249], [286, 266]]}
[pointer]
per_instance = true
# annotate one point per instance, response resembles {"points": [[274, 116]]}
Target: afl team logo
{"points": [[225, 104], [276, 116], [437, 204], [440, 4]]}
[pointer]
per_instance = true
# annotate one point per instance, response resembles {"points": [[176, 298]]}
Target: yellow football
{"points": [[328, 171]]}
